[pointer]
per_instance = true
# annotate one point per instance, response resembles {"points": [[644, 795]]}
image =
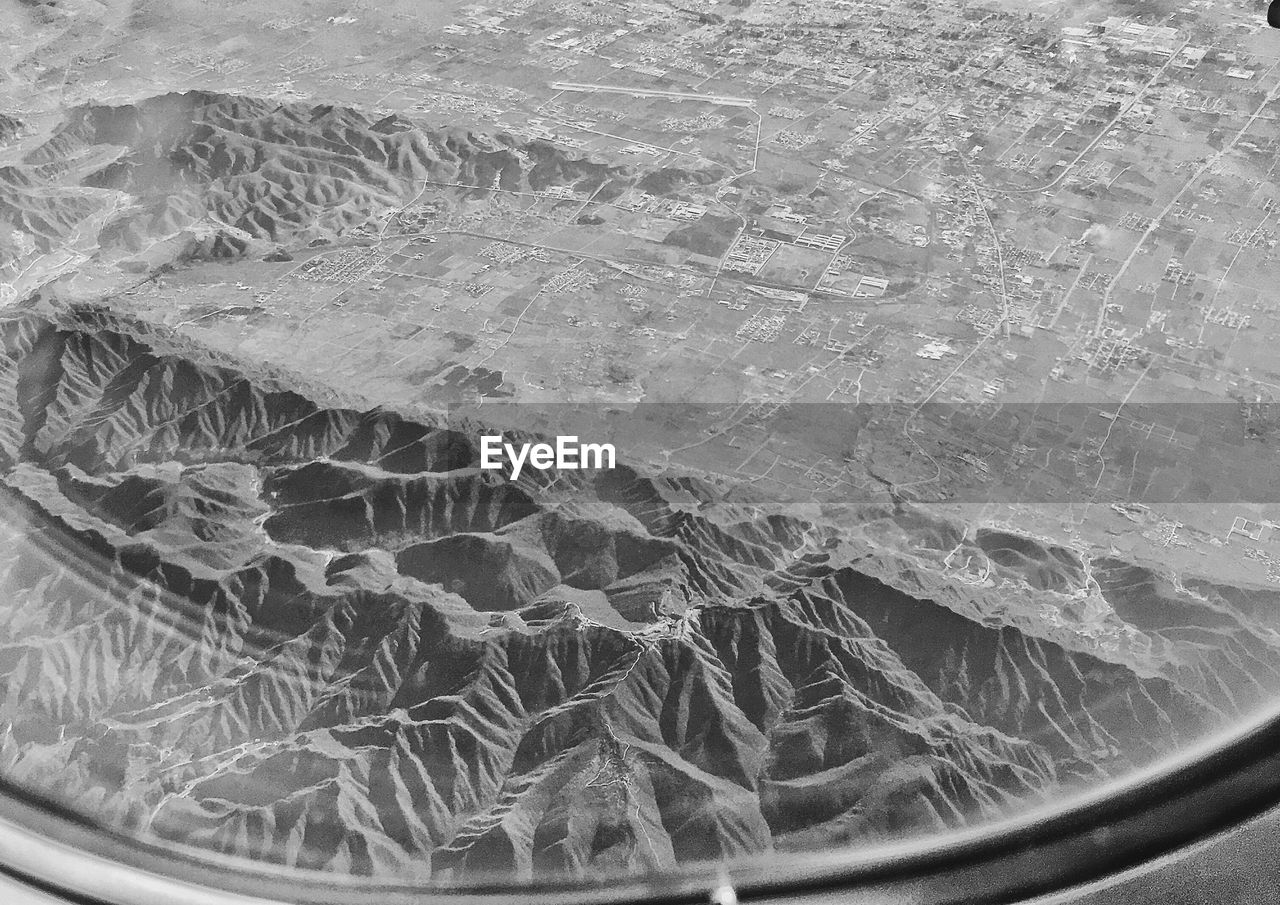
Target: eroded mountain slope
{"points": [[222, 172], [237, 617]]}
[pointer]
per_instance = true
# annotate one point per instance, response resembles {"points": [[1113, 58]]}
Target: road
{"points": [[995, 240], [1066, 296], [1133, 102], [1173, 202], [721, 99]]}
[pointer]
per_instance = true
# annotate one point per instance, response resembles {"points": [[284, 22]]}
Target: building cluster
{"points": [[571, 280], [794, 140], [1175, 272], [347, 266], [935, 350], [1226, 317], [507, 254], [1122, 34], [1270, 561], [749, 254], [762, 327], [1109, 350], [703, 122], [825, 242]]}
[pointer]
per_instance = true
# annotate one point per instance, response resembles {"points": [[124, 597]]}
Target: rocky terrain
{"points": [[240, 614], [223, 174], [239, 617], [245, 610]]}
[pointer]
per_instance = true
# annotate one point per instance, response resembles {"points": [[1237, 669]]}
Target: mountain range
{"points": [[238, 616]]}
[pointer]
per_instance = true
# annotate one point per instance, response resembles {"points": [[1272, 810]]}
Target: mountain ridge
{"points": [[291, 610]]}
